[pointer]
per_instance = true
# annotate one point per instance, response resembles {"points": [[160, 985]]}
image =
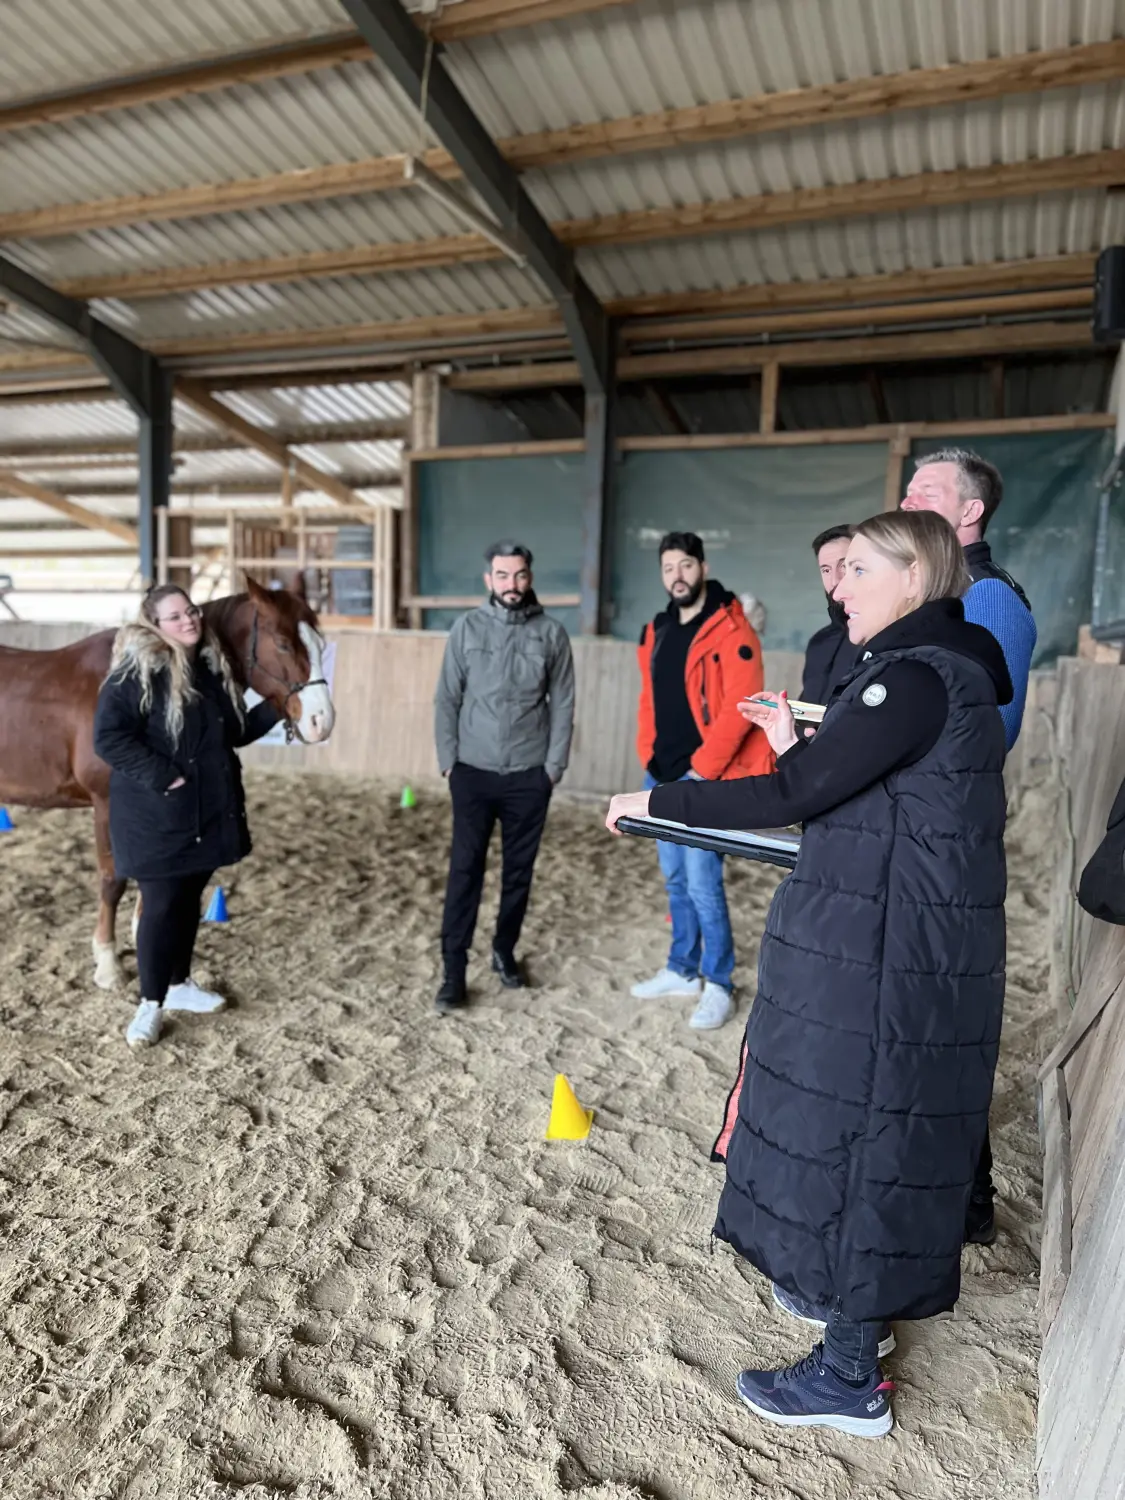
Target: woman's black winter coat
{"points": [[156, 832]]}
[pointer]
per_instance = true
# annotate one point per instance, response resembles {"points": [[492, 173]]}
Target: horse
{"points": [[48, 698]]}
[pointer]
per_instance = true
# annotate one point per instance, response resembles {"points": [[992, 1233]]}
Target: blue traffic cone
{"points": [[6, 824], [217, 907]]}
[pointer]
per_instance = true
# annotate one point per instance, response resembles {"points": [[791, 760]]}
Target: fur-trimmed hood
{"points": [[140, 651]]}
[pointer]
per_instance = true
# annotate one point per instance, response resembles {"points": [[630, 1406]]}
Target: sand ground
{"points": [[317, 1246]]}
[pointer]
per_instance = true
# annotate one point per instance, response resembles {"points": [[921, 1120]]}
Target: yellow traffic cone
{"points": [[569, 1121]]}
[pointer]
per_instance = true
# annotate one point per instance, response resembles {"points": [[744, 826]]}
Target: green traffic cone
{"points": [[408, 798]]}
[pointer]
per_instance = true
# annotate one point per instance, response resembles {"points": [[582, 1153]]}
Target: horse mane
{"points": [[219, 614]]}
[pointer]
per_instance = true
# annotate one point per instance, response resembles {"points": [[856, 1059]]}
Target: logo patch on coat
{"points": [[874, 695]]}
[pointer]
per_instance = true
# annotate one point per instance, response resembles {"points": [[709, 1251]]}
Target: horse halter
{"points": [[292, 689]]}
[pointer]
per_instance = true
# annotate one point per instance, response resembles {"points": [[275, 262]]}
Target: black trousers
{"points": [[983, 1191], [519, 800], [166, 934]]}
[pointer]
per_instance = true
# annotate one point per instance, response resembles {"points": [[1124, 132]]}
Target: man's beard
{"points": [[509, 601], [685, 601], [837, 613]]}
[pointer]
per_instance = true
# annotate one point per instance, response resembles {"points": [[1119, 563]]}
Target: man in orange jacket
{"points": [[698, 659]]}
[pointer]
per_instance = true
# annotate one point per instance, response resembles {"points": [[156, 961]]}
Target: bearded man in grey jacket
{"points": [[503, 718]]}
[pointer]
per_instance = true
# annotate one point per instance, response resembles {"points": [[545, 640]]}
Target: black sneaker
{"points": [[980, 1222], [453, 995], [809, 1394], [509, 969]]}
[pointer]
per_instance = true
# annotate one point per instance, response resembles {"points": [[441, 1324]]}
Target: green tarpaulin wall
{"points": [[1044, 532], [757, 510]]}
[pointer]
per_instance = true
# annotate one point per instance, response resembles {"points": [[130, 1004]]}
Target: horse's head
{"points": [[284, 661]]}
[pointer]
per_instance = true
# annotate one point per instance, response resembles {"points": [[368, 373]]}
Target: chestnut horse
{"points": [[47, 702]]}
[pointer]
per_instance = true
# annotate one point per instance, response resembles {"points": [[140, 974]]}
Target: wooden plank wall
{"points": [[1082, 1401], [42, 635], [384, 690], [384, 696]]}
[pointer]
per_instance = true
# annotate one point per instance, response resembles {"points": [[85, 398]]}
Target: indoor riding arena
{"points": [[317, 300]]}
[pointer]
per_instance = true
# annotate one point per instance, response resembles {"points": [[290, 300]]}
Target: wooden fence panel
{"points": [[1082, 1403]]}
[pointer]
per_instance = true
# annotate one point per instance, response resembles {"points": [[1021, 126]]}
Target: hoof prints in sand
{"points": [[317, 1247]]}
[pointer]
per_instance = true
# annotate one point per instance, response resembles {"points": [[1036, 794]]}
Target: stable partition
{"points": [[383, 687], [1082, 1284]]}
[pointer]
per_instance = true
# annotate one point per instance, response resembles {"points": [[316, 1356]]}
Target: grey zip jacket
{"points": [[505, 698]]}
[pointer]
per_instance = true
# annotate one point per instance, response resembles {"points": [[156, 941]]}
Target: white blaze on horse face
{"points": [[318, 714]]}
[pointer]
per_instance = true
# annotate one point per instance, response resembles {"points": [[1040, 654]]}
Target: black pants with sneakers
{"points": [[519, 800], [167, 930]]}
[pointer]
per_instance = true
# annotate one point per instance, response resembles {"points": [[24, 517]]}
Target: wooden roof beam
{"points": [[73, 451], [470, 18], [667, 130], [14, 484], [1095, 169], [247, 484], [754, 325], [201, 400], [1056, 271], [945, 344], [1052, 283]]}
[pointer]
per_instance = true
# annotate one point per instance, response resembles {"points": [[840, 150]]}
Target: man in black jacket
{"points": [[829, 655]]}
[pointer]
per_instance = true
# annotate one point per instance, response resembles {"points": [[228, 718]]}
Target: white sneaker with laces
{"points": [[144, 1029], [665, 985], [715, 1008], [192, 997]]}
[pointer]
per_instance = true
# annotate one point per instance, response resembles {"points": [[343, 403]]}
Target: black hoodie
{"points": [[677, 734], [897, 721], [829, 656]]}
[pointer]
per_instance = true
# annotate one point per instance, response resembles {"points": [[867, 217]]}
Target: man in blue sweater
{"points": [[966, 489]]}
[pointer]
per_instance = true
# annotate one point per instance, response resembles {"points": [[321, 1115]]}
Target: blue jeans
{"points": [[702, 942]]}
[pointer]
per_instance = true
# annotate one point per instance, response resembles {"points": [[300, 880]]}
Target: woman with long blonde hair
{"points": [[169, 719]]}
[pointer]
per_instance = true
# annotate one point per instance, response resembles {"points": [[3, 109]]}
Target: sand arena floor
{"points": [[317, 1247]]}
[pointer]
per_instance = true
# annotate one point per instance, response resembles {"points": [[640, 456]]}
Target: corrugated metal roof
{"points": [[308, 120], [51, 45], [666, 54], [289, 406], [974, 233], [647, 56], [92, 419]]}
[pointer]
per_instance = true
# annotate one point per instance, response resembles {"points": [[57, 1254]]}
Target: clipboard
{"points": [[768, 846]]}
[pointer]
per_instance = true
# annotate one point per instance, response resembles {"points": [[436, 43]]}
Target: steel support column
{"points": [[395, 38], [597, 502], [137, 377], [155, 454]]}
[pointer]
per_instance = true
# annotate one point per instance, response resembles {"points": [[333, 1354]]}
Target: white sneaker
{"points": [[190, 996], [144, 1029], [664, 985], [715, 1009]]}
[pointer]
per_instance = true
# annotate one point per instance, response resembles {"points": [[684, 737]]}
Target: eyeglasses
{"points": [[193, 612]]}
